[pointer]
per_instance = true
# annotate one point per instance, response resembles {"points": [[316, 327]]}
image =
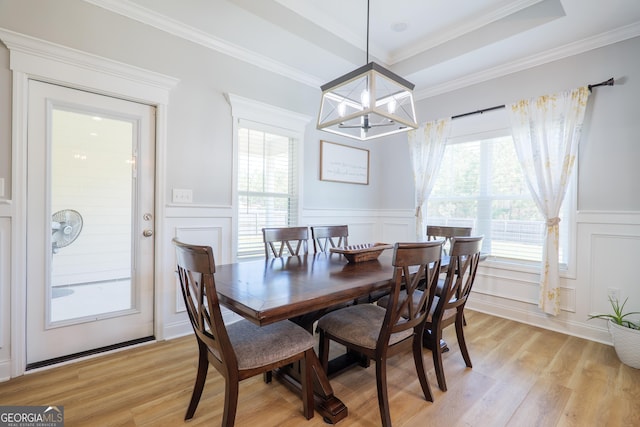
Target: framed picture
{"points": [[342, 163]]}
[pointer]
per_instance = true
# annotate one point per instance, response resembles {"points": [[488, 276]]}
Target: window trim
{"points": [[262, 116]]}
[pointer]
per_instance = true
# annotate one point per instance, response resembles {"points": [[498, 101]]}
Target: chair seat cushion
{"points": [[359, 324], [257, 346]]}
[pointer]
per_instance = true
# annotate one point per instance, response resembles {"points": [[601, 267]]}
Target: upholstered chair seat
{"points": [[257, 346], [360, 325]]}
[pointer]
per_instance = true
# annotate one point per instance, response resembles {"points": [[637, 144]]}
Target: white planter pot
{"points": [[626, 342]]}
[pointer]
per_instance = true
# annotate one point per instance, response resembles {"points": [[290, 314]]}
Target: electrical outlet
{"points": [[613, 293], [182, 196]]}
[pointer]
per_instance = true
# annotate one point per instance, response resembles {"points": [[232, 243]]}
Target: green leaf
{"points": [[618, 315]]}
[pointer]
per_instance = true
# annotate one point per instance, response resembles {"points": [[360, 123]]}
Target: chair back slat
{"points": [[195, 270], [414, 264], [447, 233], [326, 237], [285, 241], [463, 265]]}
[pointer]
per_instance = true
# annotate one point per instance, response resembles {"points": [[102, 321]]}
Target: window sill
{"points": [[529, 267]]}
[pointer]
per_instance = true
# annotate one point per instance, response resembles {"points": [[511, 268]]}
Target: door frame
{"points": [[36, 59]]}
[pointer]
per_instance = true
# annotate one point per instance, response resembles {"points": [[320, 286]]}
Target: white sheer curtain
{"points": [[546, 131], [426, 146]]}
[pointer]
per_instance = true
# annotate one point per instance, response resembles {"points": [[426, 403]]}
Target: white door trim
{"points": [[32, 58]]}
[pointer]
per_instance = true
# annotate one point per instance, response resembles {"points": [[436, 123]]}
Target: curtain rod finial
{"points": [[605, 83]]}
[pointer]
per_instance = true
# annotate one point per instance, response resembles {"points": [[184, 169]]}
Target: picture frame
{"points": [[343, 163]]}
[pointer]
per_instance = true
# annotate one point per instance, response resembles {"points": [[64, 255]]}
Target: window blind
{"points": [[267, 193]]}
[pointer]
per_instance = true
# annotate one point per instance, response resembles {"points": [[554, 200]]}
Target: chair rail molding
{"points": [[608, 217]]}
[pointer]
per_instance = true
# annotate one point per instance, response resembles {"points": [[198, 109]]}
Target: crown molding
{"points": [[181, 30], [466, 27], [186, 32], [568, 50], [41, 58]]}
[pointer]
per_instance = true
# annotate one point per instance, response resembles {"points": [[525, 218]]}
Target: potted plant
{"points": [[624, 333]]}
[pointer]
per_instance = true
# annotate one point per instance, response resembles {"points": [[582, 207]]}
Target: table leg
{"points": [[426, 344], [330, 407]]}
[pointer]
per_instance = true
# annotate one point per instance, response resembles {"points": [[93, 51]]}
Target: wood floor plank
{"points": [[542, 406], [521, 376]]}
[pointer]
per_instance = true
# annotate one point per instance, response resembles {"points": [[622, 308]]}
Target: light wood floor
{"points": [[521, 376]]}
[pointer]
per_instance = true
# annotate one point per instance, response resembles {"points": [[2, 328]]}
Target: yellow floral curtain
{"points": [[546, 131], [426, 146]]}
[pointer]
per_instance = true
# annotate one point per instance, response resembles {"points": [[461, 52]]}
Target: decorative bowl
{"points": [[362, 252]]}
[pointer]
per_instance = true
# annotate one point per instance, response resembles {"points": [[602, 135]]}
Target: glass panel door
{"points": [[90, 245]]}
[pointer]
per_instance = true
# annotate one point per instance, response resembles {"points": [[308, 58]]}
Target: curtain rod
{"points": [[497, 107]]}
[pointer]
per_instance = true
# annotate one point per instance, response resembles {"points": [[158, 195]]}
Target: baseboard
{"points": [[539, 319], [5, 370]]}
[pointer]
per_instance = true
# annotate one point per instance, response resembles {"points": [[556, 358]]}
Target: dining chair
{"points": [[449, 299], [239, 350], [447, 233], [285, 241], [378, 332], [435, 232], [449, 306], [326, 237]]}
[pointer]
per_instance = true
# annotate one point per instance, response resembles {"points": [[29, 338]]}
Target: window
{"points": [[268, 144], [480, 185], [267, 190]]}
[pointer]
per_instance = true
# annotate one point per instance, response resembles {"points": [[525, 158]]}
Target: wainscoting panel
{"points": [[397, 226], [363, 224], [5, 297], [608, 245], [200, 225], [613, 262], [205, 236], [5, 280], [366, 225]]}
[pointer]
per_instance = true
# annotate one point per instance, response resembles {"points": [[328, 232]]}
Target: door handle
{"points": [[147, 233]]}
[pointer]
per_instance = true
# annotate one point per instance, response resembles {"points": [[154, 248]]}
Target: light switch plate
{"points": [[182, 195], [1, 187]]}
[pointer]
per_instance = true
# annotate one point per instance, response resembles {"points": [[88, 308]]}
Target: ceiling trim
{"points": [[467, 27], [181, 30], [571, 49], [311, 11]]}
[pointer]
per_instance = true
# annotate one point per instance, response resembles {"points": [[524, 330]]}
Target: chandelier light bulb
{"points": [[365, 99], [391, 106], [342, 109]]}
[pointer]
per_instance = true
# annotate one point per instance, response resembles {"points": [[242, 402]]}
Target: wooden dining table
{"points": [[276, 289]]}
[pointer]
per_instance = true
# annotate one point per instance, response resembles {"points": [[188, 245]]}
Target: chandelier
{"points": [[367, 103]]}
